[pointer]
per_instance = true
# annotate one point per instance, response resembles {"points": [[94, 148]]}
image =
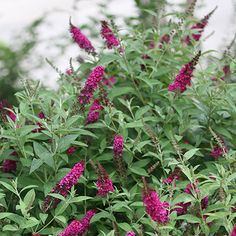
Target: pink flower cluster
{"points": [[78, 227], [118, 146], [109, 36], [172, 177], [200, 26], [91, 84], [9, 165], [181, 207], [157, 210], [5, 108], [110, 81], [233, 233], [164, 39], [104, 183], [64, 185], [81, 39], [130, 233], [183, 79], [226, 70], [71, 150], [217, 151], [192, 188], [94, 113]]}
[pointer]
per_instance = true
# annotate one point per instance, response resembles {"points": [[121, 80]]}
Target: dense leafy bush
{"points": [[139, 139]]}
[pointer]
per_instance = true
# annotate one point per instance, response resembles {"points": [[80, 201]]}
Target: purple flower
{"points": [[5, 109], [204, 202], [183, 79], [69, 71], [130, 233], [64, 185], [91, 84], [41, 115], [109, 36], [78, 227], [94, 113], [172, 177], [200, 26], [71, 150], [217, 151], [233, 233], [118, 146], [192, 187], [9, 166], [104, 183], [182, 208], [157, 210], [81, 39], [164, 39], [226, 70], [110, 81]]}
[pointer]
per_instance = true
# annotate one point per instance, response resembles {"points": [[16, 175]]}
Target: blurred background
{"points": [[34, 30]]}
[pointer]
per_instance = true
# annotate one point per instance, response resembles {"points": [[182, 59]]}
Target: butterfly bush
{"points": [[94, 112], [65, 184], [157, 210], [81, 39], [104, 183], [91, 85], [78, 227], [134, 143], [108, 36]]}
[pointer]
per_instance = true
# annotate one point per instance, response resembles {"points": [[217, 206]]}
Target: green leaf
{"points": [[31, 222], [190, 153], [8, 186], [183, 197], [107, 58], [43, 217], [100, 215], [58, 196], [141, 111], [36, 163], [139, 171], [125, 226], [79, 199], [5, 214], [61, 219], [189, 218], [116, 92], [10, 228], [66, 141], [61, 208], [43, 154], [134, 124], [29, 198], [27, 187]]}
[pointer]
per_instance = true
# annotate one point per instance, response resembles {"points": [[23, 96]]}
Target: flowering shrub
{"points": [[138, 140]]}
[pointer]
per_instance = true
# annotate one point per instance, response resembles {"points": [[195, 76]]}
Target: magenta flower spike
{"points": [[78, 227], [81, 39], [91, 85]]}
